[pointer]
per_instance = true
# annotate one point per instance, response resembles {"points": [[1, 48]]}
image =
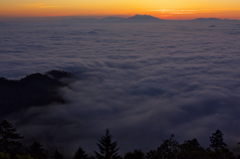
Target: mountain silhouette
{"points": [[207, 19], [138, 17], [135, 18], [113, 19], [33, 90]]}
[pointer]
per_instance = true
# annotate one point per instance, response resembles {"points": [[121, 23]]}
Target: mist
{"points": [[143, 81]]}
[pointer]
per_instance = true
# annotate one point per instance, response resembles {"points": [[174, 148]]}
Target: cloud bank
{"points": [[143, 82]]}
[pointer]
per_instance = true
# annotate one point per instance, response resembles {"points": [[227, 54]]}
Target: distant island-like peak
{"points": [[138, 16], [145, 17], [207, 19]]}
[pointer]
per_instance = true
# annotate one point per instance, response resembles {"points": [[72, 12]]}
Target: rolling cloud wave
{"points": [[143, 82]]}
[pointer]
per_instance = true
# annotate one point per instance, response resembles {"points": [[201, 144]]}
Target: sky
{"points": [[142, 81], [171, 9]]}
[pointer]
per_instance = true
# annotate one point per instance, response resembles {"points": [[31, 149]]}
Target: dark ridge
{"points": [[207, 19], [138, 17], [33, 90], [113, 19], [58, 74], [80, 20]]}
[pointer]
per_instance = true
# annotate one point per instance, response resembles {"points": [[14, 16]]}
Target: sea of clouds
{"points": [[143, 81]]}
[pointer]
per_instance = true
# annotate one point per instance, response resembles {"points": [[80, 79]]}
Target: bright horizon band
{"points": [[171, 9]]}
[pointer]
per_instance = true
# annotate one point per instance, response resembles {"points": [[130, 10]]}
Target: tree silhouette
{"points": [[217, 140], [220, 150], [57, 155], [136, 154], [169, 149], [80, 154], [107, 148], [191, 149], [9, 138], [152, 154], [36, 151]]}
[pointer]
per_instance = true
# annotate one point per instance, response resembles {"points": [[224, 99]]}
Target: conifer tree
{"points": [[220, 148], [57, 155], [36, 151], [217, 140], [9, 138], [107, 148], [80, 154]]}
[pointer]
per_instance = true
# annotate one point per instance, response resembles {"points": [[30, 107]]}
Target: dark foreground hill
{"points": [[33, 90]]}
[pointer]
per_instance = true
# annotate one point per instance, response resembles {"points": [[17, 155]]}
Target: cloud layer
{"points": [[143, 82]]}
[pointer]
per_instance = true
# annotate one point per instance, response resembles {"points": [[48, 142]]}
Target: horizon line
{"points": [[62, 17]]}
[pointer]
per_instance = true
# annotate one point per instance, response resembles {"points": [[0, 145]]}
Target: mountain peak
{"points": [[138, 16]]}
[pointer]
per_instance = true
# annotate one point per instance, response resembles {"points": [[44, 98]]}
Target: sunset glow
{"points": [[171, 9]]}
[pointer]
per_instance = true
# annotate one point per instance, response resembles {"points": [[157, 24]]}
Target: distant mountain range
{"points": [[210, 19], [136, 18]]}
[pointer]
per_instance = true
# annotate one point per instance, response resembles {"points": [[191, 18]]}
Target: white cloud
{"points": [[144, 82]]}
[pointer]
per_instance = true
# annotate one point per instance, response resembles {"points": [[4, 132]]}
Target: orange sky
{"points": [[165, 9]]}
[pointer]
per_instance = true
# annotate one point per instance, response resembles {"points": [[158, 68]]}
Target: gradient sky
{"points": [[170, 9]]}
